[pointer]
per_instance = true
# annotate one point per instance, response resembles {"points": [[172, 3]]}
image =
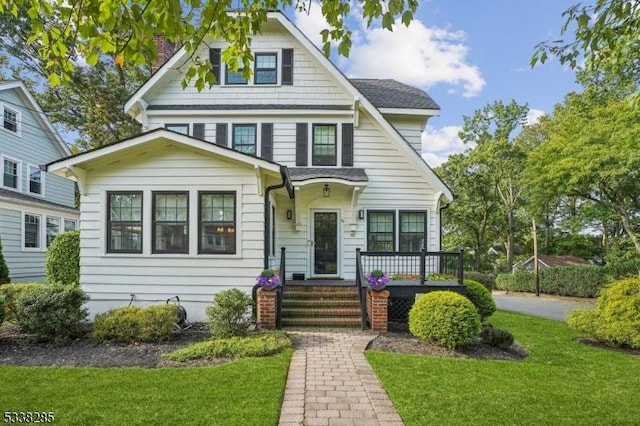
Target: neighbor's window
{"points": [[266, 65], [70, 225], [31, 231], [244, 138], [324, 145], [179, 127], [380, 230], [11, 173], [124, 222], [10, 119], [35, 180], [217, 227], [170, 222], [412, 231], [53, 229]]}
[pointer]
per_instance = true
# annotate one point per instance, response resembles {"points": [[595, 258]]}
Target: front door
{"points": [[325, 243]]}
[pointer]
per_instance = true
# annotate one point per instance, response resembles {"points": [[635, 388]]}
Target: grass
{"points": [[243, 392], [562, 382]]}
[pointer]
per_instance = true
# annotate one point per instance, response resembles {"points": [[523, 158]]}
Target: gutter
{"points": [[286, 182]]}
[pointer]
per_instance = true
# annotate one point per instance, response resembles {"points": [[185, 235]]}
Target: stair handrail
{"points": [[280, 288], [359, 275]]}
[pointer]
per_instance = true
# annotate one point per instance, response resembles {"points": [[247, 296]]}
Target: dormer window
{"points": [[266, 68], [10, 119], [269, 68]]}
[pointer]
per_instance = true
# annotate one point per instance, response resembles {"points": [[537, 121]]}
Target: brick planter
{"points": [[378, 309], [267, 306]]}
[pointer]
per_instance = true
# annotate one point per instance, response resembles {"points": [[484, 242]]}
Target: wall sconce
{"points": [[326, 192], [360, 214], [289, 214]]}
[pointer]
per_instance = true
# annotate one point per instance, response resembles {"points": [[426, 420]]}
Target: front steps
{"points": [[320, 306]]}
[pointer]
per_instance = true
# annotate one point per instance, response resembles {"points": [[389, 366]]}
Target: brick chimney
{"points": [[165, 51]]}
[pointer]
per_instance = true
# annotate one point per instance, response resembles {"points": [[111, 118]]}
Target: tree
{"points": [[4, 270], [93, 28]]}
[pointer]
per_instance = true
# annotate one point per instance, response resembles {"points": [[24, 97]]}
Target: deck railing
{"points": [[361, 291]]}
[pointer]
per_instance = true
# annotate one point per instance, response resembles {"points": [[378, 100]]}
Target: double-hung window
{"points": [[53, 229], [31, 231], [324, 145], [412, 233], [244, 138], [10, 173], [170, 222], [70, 225], [380, 230], [124, 222], [266, 68], [217, 223], [35, 180], [10, 119], [235, 77]]}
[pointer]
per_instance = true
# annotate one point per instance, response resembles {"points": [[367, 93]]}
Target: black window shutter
{"points": [[287, 67], [347, 144], [302, 144], [221, 134], [214, 58], [266, 149], [198, 130]]}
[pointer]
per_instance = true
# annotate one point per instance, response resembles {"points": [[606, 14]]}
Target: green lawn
{"points": [[561, 383], [244, 392]]}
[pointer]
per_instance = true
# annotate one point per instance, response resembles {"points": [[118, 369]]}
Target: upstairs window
{"points": [[266, 68], [11, 119], [170, 222], [244, 138], [235, 77], [179, 128], [35, 180], [124, 222], [10, 173], [324, 145]]}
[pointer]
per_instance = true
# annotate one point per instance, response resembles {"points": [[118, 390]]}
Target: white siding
{"points": [[410, 128], [110, 279]]}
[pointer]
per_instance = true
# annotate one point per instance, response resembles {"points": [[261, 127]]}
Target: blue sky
{"points": [[465, 54]]}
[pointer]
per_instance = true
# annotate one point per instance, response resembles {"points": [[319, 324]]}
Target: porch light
{"points": [[360, 214], [326, 192], [289, 214]]}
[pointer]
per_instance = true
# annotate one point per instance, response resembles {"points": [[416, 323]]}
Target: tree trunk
{"points": [[510, 240], [536, 271]]}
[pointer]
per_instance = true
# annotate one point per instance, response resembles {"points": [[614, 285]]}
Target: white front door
{"points": [[325, 247]]}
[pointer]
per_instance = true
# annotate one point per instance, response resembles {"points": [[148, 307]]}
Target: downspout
{"points": [[286, 182]]}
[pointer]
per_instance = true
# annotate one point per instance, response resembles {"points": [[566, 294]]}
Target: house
{"points": [[34, 205], [299, 157], [548, 261]]}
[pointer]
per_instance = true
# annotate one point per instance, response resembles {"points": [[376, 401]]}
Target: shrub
{"points": [[11, 292], [487, 280], [228, 314], [136, 324], [52, 313], [1, 309], [616, 318], [234, 347], [4, 269], [577, 281], [63, 258], [496, 337], [481, 298], [445, 317], [516, 281]]}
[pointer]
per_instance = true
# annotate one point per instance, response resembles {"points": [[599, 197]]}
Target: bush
{"points": [[11, 292], [4, 269], [515, 281], [63, 258], [265, 344], [496, 337], [445, 317], [616, 318], [487, 280], [481, 298], [136, 324], [1, 309], [52, 313], [228, 314]]}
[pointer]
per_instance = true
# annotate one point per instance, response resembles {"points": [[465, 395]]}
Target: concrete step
{"points": [[350, 322], [320, 312]]}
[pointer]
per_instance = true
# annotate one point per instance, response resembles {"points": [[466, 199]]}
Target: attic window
{"points": [[235, 77], [266, 68], [11, 119]]}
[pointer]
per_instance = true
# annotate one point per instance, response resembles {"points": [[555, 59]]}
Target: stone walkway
{"points": [[331, 383]]}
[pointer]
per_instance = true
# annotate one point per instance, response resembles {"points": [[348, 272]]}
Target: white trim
{"points": [[42, 179], [18, 187], [251, 112], [411, 111], [18, 114], [43, 215]]}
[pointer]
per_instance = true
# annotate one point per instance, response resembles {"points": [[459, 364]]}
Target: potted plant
{"points": [[377, 280], [268, 279]]}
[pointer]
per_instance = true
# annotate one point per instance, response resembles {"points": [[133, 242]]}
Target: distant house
{"points": [[34, 205], [547, 261]]}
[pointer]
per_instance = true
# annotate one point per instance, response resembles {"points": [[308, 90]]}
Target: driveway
{"points": [[553, 307]]}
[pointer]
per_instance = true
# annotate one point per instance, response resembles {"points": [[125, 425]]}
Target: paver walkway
{"points": [[331, 383]]}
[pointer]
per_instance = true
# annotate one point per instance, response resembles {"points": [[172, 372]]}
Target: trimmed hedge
{"points": [[616, 318], [487, 280], [11, 292], [576, 281], [63, 258], [481, 298], [136, 324], [445, 317]]}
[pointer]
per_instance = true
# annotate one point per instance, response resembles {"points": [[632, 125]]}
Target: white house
{"points": [[34, 205], [301, 157]]}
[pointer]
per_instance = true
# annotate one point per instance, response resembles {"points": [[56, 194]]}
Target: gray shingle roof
{"points": [[299, 174], [387, 93], [24, 197]]}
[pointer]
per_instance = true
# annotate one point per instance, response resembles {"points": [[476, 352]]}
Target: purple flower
{"points": [[377, 280], [268, 280]]}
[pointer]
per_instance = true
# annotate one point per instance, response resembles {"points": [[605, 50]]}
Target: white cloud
{"points": [[533, 116], [439, 144], [416, 55]]}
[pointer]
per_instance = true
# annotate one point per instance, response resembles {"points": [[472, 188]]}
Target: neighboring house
{"points": [[299, 157], [34, 205], [548, 261]]}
